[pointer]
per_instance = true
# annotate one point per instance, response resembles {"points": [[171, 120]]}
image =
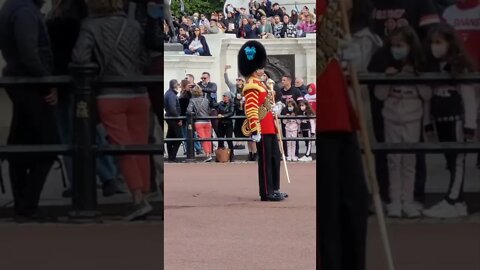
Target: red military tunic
{"points": [[335, 112], [255, 92]]}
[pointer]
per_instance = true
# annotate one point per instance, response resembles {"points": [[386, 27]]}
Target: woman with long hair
{"points": [[116, 44], [198, 44], [454, 113]]}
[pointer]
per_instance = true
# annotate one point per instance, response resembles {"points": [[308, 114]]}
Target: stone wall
{"points": [[224, 49]]}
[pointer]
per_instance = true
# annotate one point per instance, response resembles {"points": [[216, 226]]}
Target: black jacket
{"points": [[24, 40], [227, 110], [203, 40], [171, 102]]}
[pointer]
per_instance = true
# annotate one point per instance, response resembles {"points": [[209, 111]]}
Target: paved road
{"points": [[215, 221], [428, 245], [115, 246]]}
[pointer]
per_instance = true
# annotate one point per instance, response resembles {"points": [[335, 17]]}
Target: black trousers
{"points": [[381, 164], [174, 131], [32, 123], [452, 131], [225, 130], [342, 203], [268, 165]]}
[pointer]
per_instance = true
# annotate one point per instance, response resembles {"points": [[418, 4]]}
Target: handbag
{"points": [[222, 155]]}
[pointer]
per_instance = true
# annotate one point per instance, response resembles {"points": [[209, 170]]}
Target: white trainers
{"points": [[305, 159], [289, 158], [442, 210], [411, 210], [295, 158], [209, 158], [394, 210], [462, 209]]}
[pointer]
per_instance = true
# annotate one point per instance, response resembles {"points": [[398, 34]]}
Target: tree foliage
{"points": [[200, 6]]}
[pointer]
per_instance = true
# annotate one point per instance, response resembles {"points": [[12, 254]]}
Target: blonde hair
{"points": [[197, 91], [102, 7]]}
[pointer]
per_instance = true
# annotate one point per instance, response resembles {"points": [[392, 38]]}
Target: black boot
{"points": [[232, 156], [254, 157], [250, 156]]}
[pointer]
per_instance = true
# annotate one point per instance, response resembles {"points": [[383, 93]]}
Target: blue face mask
{"points": [[155, 11], [400, 53]]}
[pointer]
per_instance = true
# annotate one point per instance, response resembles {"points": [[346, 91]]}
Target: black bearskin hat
{"points": [[252, 56]]}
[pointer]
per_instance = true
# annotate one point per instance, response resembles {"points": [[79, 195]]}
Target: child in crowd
{"points": [[453, 109], [404, 107], [292, 127], [307, 127], [311, 96]]}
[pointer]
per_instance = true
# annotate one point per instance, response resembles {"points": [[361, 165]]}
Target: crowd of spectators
{"points": [[263, 20], [408, 38], [202, 99]]}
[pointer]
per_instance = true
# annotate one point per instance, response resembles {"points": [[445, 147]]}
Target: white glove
{"points": [[256, 138]]}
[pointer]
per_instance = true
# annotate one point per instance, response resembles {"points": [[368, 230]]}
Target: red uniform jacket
{"points": [[334, 109], [255, 92]]}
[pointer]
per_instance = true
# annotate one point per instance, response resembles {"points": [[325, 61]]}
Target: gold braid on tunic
{"points": [[328, 36], [263, 109]]}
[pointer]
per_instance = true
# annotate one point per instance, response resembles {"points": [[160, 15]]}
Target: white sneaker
{"points": [[289, 158], [462, 209], [295, 158], [305, 159], [208, 159], [442, 210], [394, 210], [411, 210]]}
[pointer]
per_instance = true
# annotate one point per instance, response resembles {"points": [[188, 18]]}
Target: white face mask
{"points": [[400, 53], [290, 109], [439, 50]]}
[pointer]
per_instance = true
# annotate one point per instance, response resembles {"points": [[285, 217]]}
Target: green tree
{"points": [[200, 6]]}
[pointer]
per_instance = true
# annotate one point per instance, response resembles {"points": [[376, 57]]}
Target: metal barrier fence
{"points": [[83, 150], [190, 139], [428, 79], [83, 81]]}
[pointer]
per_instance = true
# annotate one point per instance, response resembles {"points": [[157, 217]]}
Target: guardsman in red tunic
{"points": [[260, 123], [342, 197]]}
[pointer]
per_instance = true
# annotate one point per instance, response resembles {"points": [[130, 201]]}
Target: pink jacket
{"points": [[307, 27]]}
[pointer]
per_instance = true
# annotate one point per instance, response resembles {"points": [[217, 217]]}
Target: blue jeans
{"points": [[106, 167], [200, 51], [197, 144]]}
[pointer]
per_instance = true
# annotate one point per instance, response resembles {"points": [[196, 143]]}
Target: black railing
{"points": [[83, 81], [190, 139], [427, 79], [83, 150]]}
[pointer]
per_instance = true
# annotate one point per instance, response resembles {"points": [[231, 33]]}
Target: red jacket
{"points": [[334, 109], [255, 92]]}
